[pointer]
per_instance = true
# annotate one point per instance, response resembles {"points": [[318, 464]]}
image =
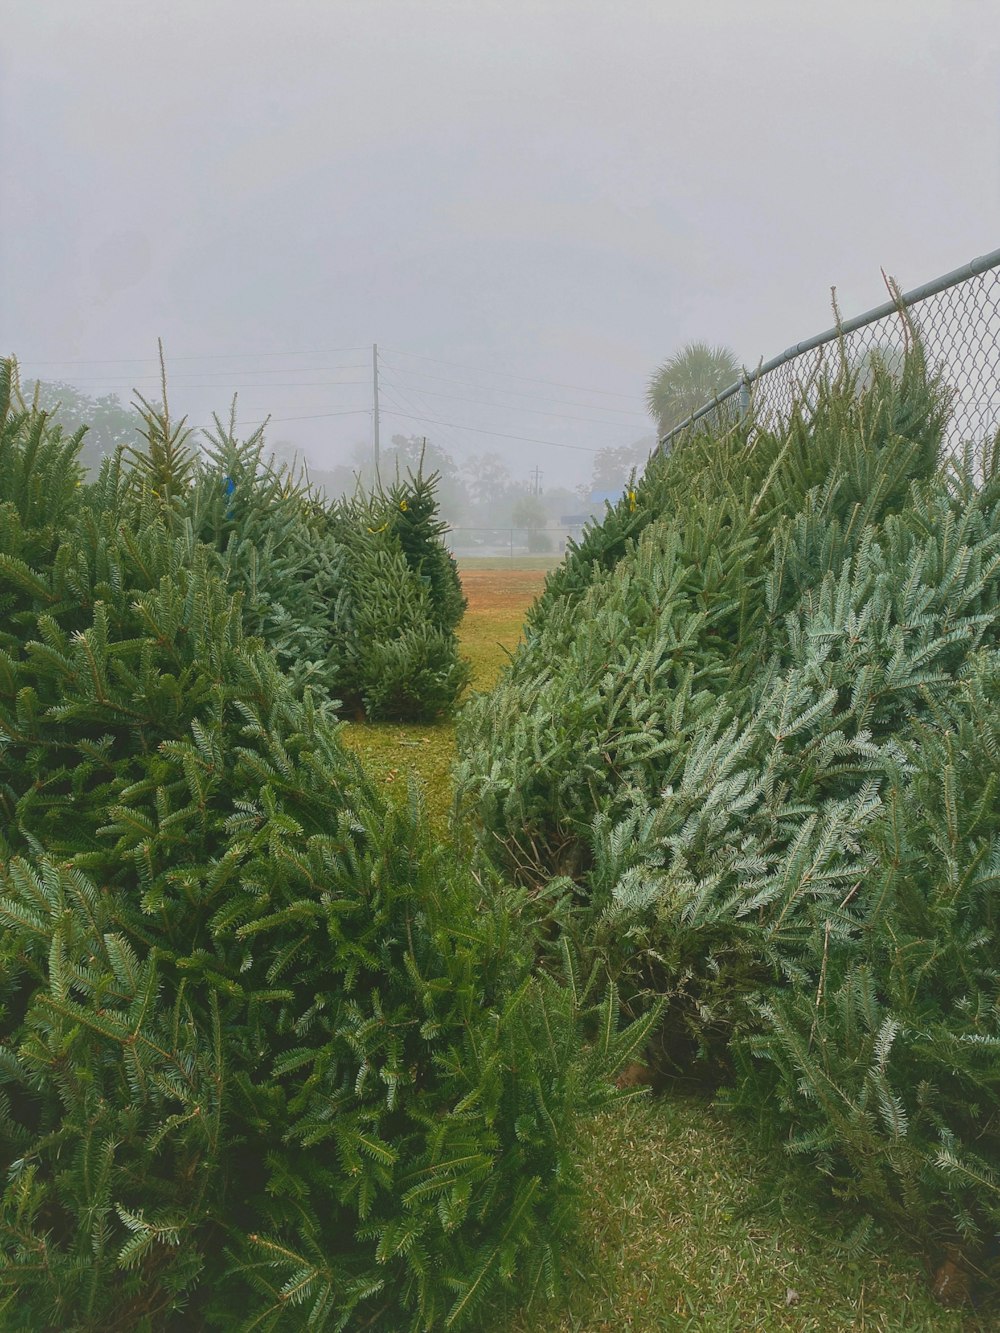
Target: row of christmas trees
{"points": [[269, 1057], [748, 761]]}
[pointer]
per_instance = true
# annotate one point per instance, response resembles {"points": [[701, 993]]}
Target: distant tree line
{"points": [[480, 492]]}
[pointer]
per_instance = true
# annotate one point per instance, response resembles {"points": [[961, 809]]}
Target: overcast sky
{"points": [[562, 192]]}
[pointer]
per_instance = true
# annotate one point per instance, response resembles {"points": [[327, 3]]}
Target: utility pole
{"points": [[375, 403], [538, 481]]}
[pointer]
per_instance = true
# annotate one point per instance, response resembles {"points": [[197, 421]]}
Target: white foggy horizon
{"points": [[528, 206]]}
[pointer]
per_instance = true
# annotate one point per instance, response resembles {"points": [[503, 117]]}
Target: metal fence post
{"points": [[744, 398]]}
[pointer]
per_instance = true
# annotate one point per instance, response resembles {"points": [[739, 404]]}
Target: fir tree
{"points": [[268, 1056], [753, 721]]}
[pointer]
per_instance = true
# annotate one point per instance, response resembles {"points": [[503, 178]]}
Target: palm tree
{"points": [[688, 380]]}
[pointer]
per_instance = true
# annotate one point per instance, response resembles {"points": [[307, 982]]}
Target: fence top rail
{"points": [[970, 270]]}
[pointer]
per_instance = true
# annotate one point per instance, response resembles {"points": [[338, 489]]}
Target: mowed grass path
{"points": [[498, 598], [684, 1225]]}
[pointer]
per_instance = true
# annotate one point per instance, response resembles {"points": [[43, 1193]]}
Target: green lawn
{"points": [[394, 753], [489, 632], [684, 1226]]}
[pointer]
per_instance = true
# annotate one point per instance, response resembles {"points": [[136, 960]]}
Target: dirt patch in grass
{"points": [[491, 591], [498, 601]]}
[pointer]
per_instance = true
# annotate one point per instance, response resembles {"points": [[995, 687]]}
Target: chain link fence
{"points": [[956, 317], [510, 542]]}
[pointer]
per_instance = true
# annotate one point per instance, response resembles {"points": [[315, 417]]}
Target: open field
{"points": [[516, 565], [498, 599], [684, 1226]]}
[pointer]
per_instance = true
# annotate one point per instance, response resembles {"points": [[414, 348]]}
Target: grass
{"points": [[394, 753], [499, 596], [684, 1227]]}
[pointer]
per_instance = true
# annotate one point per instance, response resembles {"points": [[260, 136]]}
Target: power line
{"points": [[331, 351], [426, 416], [422, 412], [517, 407], [119, 378], [578, 388], [515, 393], [319, 351], [390, 391], [190, 356], [221, 384], [231, 370], [312, 416], [502, 435]]}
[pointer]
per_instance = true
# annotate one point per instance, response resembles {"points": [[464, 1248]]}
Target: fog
{"points": [[528, 206]]}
